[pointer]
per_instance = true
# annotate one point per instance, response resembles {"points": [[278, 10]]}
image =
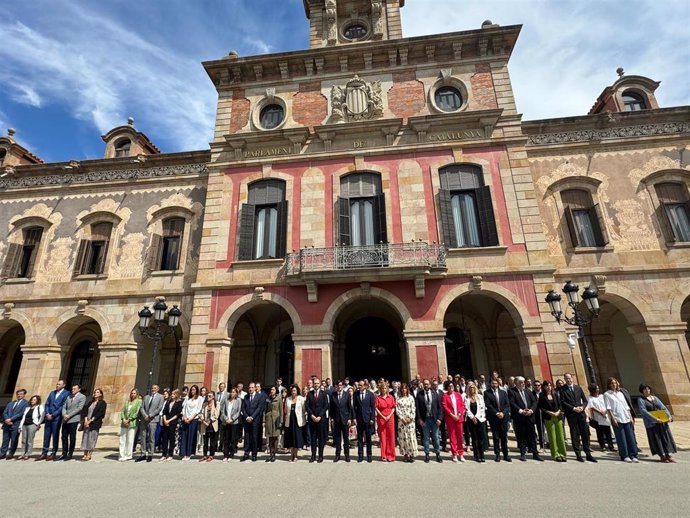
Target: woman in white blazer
{"points": [[295, 421], [476, 420], [30, 424]]}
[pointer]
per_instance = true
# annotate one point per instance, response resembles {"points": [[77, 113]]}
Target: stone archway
{"points": [[79, 339], [12, 338]]}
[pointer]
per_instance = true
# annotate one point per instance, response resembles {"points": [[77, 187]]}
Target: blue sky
{"points": [[73, 69]]}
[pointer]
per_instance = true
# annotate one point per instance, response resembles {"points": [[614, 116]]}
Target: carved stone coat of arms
{"points": [[357, 100]]}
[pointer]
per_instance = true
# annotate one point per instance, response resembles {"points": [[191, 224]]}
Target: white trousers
{"points": [[126, 442]]}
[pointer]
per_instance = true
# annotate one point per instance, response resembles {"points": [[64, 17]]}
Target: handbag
{"points": [[80, 428]]}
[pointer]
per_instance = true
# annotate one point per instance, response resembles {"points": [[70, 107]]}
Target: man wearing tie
{"points": [[523, 406], [429, 417], [573, 403], [221, 397], [252, 413], [11, 418], [53, 421], [343, 415], [71, 415], [317, 416], [365, 410], [149, 414], [498, 413]]}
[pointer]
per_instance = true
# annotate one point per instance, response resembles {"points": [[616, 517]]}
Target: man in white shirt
{"points": [[621, 420]]}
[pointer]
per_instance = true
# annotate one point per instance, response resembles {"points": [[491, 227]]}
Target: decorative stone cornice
{"points": [[644, 130], [19, 181]]}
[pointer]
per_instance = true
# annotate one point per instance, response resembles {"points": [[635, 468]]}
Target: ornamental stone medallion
{"points": [[357, 100]]}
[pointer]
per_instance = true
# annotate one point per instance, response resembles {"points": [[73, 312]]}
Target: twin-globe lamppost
{"points": [[157, 332], [579, 318]]}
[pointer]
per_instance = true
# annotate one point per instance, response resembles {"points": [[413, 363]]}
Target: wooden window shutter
{"points": [[246, 232], [487, 220], [104, 255], [450, 238], [381, 229], [11, 265], [33, 239], [344, 230], [570, 221], [154, 253], [81, 256], [281, 231], [597, 219]]}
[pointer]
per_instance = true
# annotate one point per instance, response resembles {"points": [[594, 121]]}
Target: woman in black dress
{"points": [[659, 436], [295, 420]]}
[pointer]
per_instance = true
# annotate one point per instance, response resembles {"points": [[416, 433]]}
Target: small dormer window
{"points": [[448, 98], [355, 31], [271, 116], [633, 102], [3, 154], [122, 148]]}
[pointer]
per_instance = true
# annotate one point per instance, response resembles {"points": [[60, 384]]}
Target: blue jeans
{"points": [[431, 428], [625, 437], [10, 439], [51, 430], [188, 438]]}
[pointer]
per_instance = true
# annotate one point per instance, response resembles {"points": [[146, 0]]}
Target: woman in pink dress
{"points": [[454, 410], [385, 420]]}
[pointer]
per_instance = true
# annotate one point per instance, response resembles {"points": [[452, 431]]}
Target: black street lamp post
{"points": [[156, 332], [579, 318]]}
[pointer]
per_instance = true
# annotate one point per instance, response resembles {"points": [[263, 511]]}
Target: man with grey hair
{"points": [[150, 414], [523, 407]]}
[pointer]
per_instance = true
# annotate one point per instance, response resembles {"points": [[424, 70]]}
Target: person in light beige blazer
{"points": [[208, 422]]}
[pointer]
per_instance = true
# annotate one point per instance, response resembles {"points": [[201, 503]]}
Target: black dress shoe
{"points": [[523, 458], [508, 459], [360, 459], [337, 459], [61, 458], [320, 460], [347, 458], [313, 459], [411, 460], [253, 458], [149, 459], [536, 457], [439, 459], [69, 457], [580, 459], [426, 459], [591, 459], [497, 458], [140, 459], [245, 458]]}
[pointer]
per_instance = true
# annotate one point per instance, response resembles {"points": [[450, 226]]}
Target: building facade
{"points": [[371, 206]]}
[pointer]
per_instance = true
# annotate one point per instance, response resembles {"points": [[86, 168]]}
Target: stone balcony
{"points": [[415, 261]]}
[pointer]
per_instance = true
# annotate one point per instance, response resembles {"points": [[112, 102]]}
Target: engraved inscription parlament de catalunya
{"points": [[455, 135], [272, 151]]}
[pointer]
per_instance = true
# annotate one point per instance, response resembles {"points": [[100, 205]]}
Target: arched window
{"points": [[675, 210], [362, 210], [21, 258], [448, 98], [82, 366], [583, 218], [263, 221], [467, 213], [633, 102], [3, 154], [122, 148], [271, 116], [92, 252]]}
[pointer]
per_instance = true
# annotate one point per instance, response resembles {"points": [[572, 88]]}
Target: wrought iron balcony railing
{"points": [[383, 255]]}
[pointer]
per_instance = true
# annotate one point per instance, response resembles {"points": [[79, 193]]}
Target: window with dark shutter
{"points": [[80, 261], [675, 210], [171, 244], [93, 260], [583, 218], [466, 208], [11, 264], [263, 222], [362, 210], [32, 238]]}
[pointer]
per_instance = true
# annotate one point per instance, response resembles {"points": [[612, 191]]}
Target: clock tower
{"points": [[340, 22]]}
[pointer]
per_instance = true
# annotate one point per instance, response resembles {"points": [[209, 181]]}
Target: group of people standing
{"points": [[292, 419]]}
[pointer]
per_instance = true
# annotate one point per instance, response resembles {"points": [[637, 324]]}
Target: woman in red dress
{"points": [[385, 421], [454, 409]]}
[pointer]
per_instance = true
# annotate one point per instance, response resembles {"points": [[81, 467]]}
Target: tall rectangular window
{"points": [[93, 252], [362, 210], [675, 210], [173, 229], [21, 257], [583, 218], [263, 221]]}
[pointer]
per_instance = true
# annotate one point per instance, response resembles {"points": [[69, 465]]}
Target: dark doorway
{"points": [[459, 352], [82, 367], [286, 367], [372, 350]]}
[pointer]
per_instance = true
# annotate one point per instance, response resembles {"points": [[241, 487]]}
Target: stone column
{"points": [[313, 356], [665, 363], [219, 362], [116, 375], [426, 353], [41, 368], [529, 338]]}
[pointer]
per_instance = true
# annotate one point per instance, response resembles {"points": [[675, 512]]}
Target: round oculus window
{"points": [[355, 31], [271, 116], [448, 99]]}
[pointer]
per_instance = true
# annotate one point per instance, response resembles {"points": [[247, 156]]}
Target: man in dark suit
{"points": [[523, 406], [343, 415], [498, 413], [539, 419], [365, 411], [429, 417], [253, 406], [573, 403], [317, 410], [53, 420], [11, 418]]}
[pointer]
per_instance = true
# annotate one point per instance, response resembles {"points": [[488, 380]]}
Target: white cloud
{"points": [[104, 73]]}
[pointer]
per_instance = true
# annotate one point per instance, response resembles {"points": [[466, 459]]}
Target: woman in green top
{"points": [[128, 425]]}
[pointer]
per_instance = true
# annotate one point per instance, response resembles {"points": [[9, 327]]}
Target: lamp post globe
{"points": [[571, 292], [159, 311], [591, 298], [145, 317]]}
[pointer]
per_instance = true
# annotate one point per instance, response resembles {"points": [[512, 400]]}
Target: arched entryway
{"points": [[685, 317], [12, 337], [481, 337], [79, 338], [369, 342], [167, 370], [615, 350], [262, 348]]}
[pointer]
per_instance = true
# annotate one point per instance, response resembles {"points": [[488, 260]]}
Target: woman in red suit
{"points": [[454, 410], [385, 421]]}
